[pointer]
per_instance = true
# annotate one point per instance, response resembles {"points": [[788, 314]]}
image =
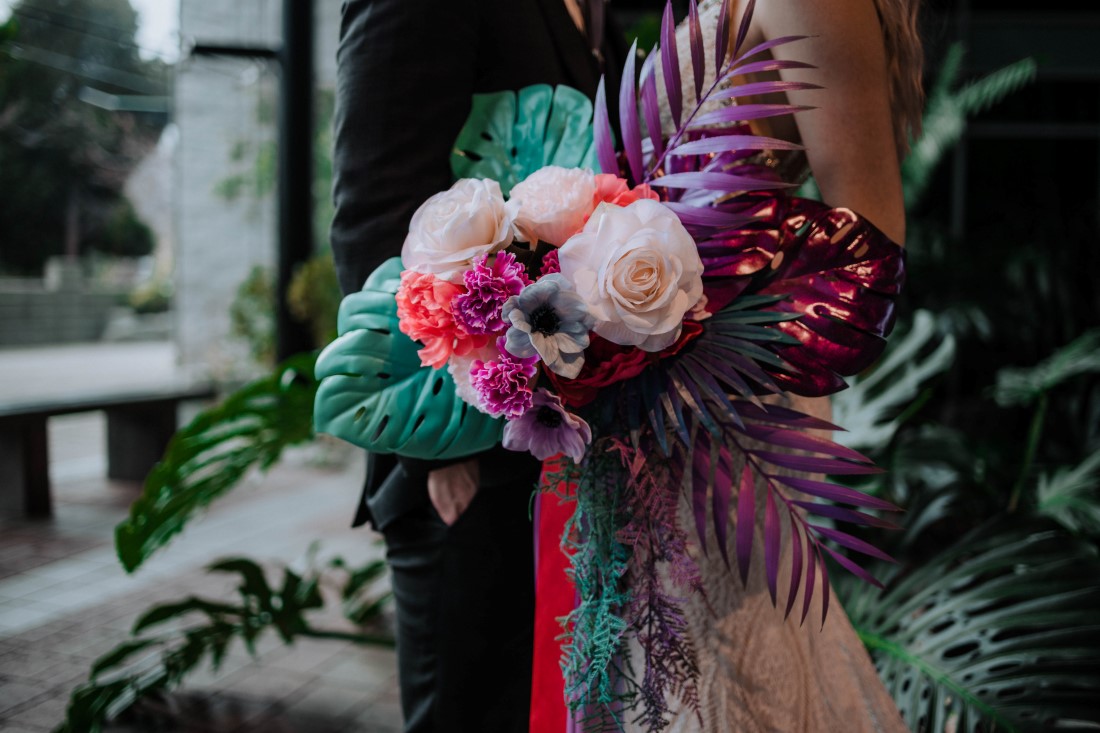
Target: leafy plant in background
{"points": [[999, 631], [194, 631], [248, 431], [946, 111], [252, 315], [314, 297]]}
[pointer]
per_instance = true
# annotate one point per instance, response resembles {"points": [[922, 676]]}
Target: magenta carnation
{"points": [[487, 287], [550, 263], [504, 385]]}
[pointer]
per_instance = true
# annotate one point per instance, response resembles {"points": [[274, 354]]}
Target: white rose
{"points": [[453, 227], [552, 203], [638, 271]]}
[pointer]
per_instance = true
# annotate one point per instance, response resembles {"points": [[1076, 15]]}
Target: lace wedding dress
{"points": [[758, 672]]}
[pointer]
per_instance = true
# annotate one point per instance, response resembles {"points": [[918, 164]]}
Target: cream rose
{"points": [[553, 203], [455, 226], [638, 271]]}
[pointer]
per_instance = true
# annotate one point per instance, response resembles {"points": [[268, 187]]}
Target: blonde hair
{"points": [[905, 65]]}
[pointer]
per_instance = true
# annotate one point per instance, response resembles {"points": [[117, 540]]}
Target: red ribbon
{"points": [[555, 597]]}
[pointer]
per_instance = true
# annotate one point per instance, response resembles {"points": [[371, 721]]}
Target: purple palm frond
{"points": [[682, 161], [712, 483]]}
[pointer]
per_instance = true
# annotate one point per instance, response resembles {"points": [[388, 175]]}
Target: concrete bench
{"points": [[139, 426]]}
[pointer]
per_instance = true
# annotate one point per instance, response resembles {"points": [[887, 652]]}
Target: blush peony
{"points": [[638, 271], [553, 203], [454, 227]]}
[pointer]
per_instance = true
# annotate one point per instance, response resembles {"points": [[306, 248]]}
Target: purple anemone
{"points": [[547, 429]]}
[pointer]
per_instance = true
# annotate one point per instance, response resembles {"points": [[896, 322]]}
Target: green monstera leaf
{"points": [[375, 394], [510, 135], [999, 633]]}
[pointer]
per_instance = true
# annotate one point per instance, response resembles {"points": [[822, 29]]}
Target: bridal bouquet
{"points": [[632, 320], [533, 304]]}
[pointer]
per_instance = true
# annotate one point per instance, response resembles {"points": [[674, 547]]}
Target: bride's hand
{"points": [[451, 489]]}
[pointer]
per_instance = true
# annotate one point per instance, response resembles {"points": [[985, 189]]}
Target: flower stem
{"points": [[1033, 435]]}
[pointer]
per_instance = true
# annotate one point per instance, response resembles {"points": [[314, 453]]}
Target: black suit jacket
{"points": [[406, 71]]}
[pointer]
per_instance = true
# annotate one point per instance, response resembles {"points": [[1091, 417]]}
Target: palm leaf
{"points": [[1021, 387], [876, 404], [510, 135], [692, 123], [204, 460], [153, 665], [946, 112], [375, 394], [1071, 496], [997, 633]]}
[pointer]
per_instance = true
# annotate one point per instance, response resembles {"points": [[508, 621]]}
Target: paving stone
{"points": [[15, 694], [48, 713], [257, 682], [326, 699]]}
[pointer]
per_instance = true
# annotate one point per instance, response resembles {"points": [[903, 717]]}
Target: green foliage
{"points": [[208, 457], [252, 314], [946, 113], [1024, 387], [58, 152], [122, 233], [201, 630], [510, 135], [876, 404], [1071, 496], [314, 297], [375, 393], [997, 633], [154, 296]]}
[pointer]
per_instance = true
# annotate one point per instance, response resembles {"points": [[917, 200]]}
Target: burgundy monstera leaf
{"points": [[838, 273]]}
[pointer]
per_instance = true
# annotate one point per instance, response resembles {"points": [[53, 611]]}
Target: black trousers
{"points": [[465, 612]]}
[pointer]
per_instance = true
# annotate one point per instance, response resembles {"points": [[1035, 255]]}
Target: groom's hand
{"points": [[451, 489]]}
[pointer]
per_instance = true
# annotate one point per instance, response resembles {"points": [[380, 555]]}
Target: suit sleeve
{"points": [[405, 75], [404, 78]]}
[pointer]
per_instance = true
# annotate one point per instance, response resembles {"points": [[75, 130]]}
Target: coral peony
{"points": [[424, 314]]}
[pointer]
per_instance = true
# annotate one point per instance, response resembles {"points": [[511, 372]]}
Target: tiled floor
{"points": [[64, 600]]}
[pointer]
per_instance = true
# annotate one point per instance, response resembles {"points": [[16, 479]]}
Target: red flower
{"points": [[606, 363]]}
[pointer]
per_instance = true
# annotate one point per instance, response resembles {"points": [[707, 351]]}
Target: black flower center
{"points": [[548, 417], [545, 320]]}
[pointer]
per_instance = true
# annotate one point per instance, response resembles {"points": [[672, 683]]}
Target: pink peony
{"points": [[424, 314]]}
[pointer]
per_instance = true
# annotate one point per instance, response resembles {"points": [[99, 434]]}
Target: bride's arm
{"points": [[849, 138]]}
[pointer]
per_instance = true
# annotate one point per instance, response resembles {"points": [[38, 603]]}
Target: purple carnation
{"points": [[487, 287], [503, 385], [546, 429], [550, 263]]}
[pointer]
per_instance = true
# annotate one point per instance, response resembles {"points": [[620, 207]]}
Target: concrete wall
{"points": [[35, 316], [218, 102]]}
